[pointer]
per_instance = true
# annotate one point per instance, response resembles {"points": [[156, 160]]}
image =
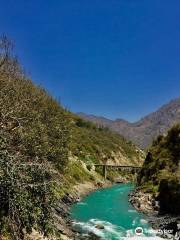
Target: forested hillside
{"points": [[44, 151], [160, 174], [98, 144]]}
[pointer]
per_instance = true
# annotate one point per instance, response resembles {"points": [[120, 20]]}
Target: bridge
{"points": [[131, 169]]}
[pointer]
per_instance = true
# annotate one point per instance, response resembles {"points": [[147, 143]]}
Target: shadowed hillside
{"points": [[161, 171]]}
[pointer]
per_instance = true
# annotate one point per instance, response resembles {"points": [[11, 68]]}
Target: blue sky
{"points": [[116, 58]]}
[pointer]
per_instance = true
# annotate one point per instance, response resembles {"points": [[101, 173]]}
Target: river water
{"points": [[108, 214]]}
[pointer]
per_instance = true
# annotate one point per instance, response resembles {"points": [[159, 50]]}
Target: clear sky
{"points": [[116, 58]]}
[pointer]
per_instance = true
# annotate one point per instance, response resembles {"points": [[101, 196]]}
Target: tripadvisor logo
{"points": [[139, 231]]}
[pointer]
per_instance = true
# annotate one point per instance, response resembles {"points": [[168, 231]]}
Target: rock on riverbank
{"points": [[167, 226], [143, 202]]}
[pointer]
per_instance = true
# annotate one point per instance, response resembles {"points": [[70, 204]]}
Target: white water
{"points": [[108, 214]]}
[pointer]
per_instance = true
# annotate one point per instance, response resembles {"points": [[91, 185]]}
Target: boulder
{"points": [[99, 226]]}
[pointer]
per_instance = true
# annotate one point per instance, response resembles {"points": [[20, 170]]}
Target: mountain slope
{"points": [[45, 151], [94, 144], [146, 129], [160, 173]]}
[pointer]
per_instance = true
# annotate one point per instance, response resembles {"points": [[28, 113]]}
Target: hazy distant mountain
{"points": [[146, 129]]}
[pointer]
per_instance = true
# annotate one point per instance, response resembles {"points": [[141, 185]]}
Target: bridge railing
{"points": [[117, 167]]}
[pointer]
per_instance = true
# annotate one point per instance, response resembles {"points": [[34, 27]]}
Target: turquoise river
{"points": [[108, 214]]}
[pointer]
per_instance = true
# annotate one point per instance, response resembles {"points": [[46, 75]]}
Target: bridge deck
{"points": [[116, 166], [105, 167]]}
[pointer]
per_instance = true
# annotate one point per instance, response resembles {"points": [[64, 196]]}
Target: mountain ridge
{"points": [[143, 131]]}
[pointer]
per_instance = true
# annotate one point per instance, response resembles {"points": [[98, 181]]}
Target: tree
{"points": [[9, 63]]}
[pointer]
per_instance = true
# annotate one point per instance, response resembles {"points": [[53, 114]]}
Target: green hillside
{"points": [[161, 171], [42, 151], [91, 143]]}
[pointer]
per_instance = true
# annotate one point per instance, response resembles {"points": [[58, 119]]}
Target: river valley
{"points": [[108, 214]]}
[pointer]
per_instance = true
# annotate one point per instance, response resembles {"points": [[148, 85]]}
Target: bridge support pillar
{"points": [[104, 171]]}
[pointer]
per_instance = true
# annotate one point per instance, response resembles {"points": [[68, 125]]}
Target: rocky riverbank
{"points": [[63, 221], [144, 202], [166, 226]]}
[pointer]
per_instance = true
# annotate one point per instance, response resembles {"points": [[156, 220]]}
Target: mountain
{"points": [[45, 151], [146, 129]]}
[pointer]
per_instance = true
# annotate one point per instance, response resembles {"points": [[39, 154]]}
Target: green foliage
{"points": [[33, 139], [36, 137], [76, 173], [91, 143], [25, 194], [36, 121], [169, 195], [161, 170]]}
